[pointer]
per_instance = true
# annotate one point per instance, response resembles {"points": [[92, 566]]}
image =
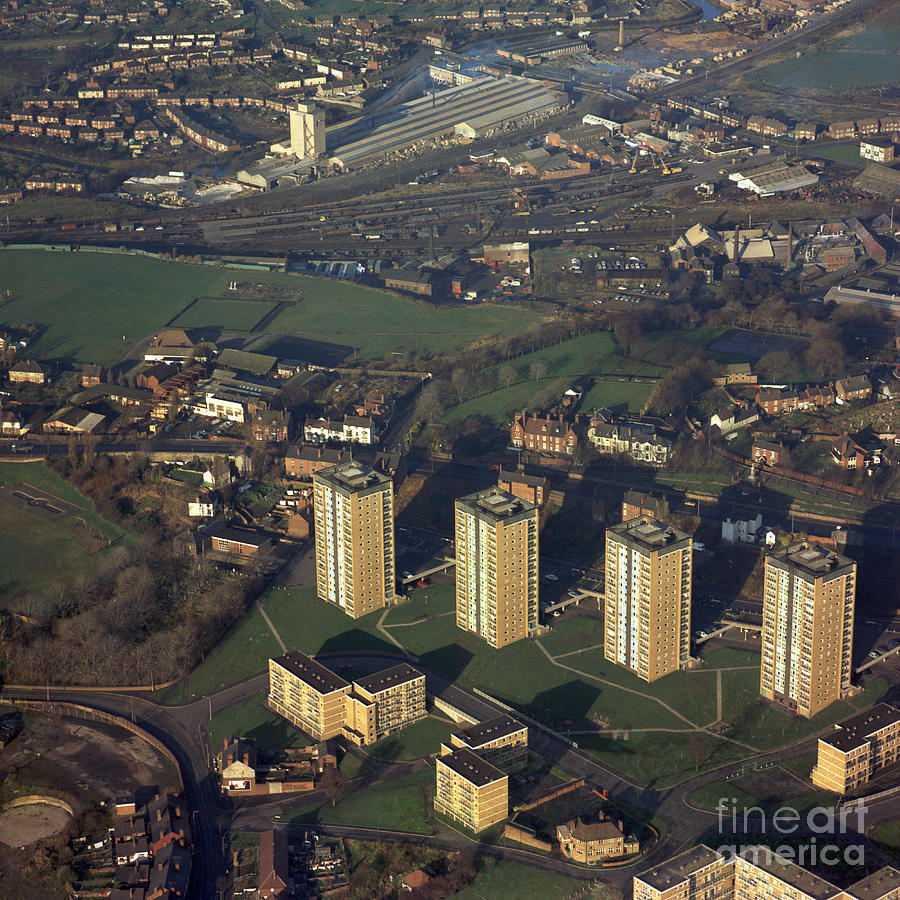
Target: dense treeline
{"points": [[147, 615]]}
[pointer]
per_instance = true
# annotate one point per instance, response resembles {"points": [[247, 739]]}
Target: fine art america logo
{"points": [[811, 847]]}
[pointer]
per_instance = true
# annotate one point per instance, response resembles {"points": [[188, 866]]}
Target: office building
{"points": [[648, 597], [307, 131], [471, 790], [354, 525], [496, 566], [807, 635], [324, 705], [501, 741], [858, 749]]}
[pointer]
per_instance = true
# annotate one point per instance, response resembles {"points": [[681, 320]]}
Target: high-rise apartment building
{"points": [[322, 704], [648, 597], [496, 566], [807, 636], [307, 131], [696, 874], [471, 790], [354, 524]]}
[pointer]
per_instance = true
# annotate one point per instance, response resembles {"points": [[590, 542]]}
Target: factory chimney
{"points": [[790, 246], [621, 43]]}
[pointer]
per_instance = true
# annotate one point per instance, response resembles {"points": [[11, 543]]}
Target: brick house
{"points": [[767, 452], [12, 424], [305, 460], [856, 388], [91, 375], [636, 503], [273, 866], [271, 425], [28, 370], [773, 401], [533, 488], [594, 842], [848, 454], [236, 541], [817, 395], [545, 435], [156, 375]]}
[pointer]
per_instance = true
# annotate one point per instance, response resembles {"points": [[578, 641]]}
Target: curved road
{"points": [[183, 729]]}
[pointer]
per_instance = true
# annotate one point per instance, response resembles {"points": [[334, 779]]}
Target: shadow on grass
{"points": [[450, 660], [356, 640]]}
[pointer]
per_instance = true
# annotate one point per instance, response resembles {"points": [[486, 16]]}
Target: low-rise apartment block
{"points": [[501, 741], [470, 790], [324, 705], [859, 748], [696, 874]]}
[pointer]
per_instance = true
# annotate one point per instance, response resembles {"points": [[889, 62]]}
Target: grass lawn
{"points": [[398, 804], [615, 394], [727, 658], [762, 725], [88, 301], [661, 759], [499, 405], [309, 624], [232, 315], [573, 634], [251, 718], [693, 694], [521, 675], [507, 879], [245, 650], [422, 739], [36, 553], [435, 600], [888, 833]]}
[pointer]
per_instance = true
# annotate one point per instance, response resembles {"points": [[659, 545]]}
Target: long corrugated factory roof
{"points": [[425, 118]]}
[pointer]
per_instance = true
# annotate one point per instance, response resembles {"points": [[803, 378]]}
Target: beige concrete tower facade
{"points": [[307, 131], [496, 566], [807, 637], [354, 525], [648, 597]]}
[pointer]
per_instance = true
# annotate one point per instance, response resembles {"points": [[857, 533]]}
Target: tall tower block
{"points": [[807, 635], [354, 522], [307, 131]]}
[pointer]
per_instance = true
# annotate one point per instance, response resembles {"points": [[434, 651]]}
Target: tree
{"points": [[538, 369], [627, 331], [506, 375], [698, 750], [826, 357], [460, 382], [333, 783], [779, 365]]}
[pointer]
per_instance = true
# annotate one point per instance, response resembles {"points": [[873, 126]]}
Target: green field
{"points": [[888, 833], [251, 718], [86, 303], [422, 739], [38, 554], [507, 879], [230, 315], [399, 804]]}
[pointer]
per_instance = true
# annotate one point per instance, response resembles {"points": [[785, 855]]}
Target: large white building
{"points": [[354, 527], [307, 131]]}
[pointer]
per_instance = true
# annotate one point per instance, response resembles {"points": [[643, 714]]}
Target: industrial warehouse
{"points": [[473, 110]]}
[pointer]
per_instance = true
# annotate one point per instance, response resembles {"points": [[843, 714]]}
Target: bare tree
{"points": [[334, 784], [506, 375], [538, 369], [460, 382]]}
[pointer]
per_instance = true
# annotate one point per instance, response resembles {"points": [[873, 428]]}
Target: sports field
{"points": [[38, 553], [86, 303], [229, 315]]}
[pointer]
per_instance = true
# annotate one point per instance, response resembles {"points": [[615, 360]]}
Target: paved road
{"points": [[183, 730]]}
